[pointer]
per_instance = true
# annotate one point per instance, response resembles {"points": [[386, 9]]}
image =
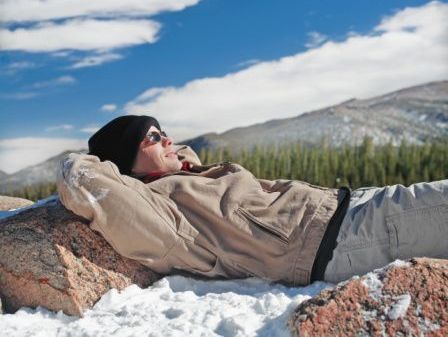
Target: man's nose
{"points": [[166, 141]]}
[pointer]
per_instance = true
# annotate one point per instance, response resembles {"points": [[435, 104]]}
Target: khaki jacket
{"points": [[219, 222]]}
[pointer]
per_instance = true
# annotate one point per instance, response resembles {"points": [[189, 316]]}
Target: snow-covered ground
{"points": [[173, 306]]}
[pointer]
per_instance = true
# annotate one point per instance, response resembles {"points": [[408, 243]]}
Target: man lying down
{"points": [[155, 203]]}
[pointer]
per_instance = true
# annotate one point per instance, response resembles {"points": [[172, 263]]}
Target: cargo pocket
{"points": [[419, 232], [277, 233]]}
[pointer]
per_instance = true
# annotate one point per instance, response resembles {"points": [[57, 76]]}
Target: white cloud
{"points": [[38, 87], [61, 54], [100, 26], [19, 96], [109, 107], [40, 10], [18, 153], [90, 129], [96, 60], [250, 62], [59, 127], [20, 65], [315, 39], [80, 35], [391, 57], [15, 67], [62, 80]]}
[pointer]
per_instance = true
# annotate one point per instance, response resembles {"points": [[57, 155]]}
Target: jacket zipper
{"points": [[262, 226]]}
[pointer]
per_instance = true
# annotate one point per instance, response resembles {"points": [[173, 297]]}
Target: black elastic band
{"points": [[328, 243]]}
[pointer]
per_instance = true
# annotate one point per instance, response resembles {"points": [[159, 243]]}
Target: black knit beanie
{"points": [[118, 140]]}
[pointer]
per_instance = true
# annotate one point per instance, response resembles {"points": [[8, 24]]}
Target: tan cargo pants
{"points": [[388, 223]]}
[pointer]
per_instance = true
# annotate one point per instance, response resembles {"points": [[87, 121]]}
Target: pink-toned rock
{"points": [[402, 299], [7, 203], [50, 257]]}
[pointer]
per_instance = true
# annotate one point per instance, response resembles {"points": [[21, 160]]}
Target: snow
{"points": [[399, 308], [400, 263], [174, 306], [73, 180], [47, 201], [374, 285]]}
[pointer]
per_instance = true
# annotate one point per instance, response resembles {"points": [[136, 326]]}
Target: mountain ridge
{"points": [[416, 114]]}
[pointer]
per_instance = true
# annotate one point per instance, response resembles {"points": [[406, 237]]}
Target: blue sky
{"points": [[199, 66]]}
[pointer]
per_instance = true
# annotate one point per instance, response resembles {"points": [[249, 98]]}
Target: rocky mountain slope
{"points": [[40, 173], [414, 114], [3, 174]]}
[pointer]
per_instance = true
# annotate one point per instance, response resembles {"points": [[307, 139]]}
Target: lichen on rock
{"points": [[51, 258], [405, 298]]}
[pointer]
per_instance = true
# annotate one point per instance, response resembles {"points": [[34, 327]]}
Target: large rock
{"points": [[7, 203], [50, 257], [403, 299]]}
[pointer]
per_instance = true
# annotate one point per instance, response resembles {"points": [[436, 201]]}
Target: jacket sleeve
{"points": [[186, 153], [137, 222]]}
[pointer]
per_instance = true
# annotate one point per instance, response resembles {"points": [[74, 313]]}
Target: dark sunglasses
{"points": [[155, 137]]}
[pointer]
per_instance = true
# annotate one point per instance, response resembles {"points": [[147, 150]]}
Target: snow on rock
{"points": [[174, 306], [9, 203], [406, 298], [399, 308]]}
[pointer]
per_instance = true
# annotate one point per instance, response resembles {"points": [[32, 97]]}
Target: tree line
{"points": [[353, 166], [348, 165]]}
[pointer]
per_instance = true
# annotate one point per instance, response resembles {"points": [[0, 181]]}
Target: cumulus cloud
{"points": [[80, 34], [59, 127], [18, 153], [96, 60], [40, 10], [109, 107], [404, 49], [61, 26]]}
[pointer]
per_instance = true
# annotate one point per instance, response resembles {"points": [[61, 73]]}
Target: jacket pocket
{"points": [[419, 232], [265, 228]]}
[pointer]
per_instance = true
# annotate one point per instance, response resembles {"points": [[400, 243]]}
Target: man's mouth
{"points": [[171, 154]]}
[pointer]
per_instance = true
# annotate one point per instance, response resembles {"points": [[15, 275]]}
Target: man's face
{"points": [[156, 157]]}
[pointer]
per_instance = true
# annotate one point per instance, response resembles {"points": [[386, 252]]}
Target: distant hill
{"points": [[414, 114], [3, 174], [36, 174]]}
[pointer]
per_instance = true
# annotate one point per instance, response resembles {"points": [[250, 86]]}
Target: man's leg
{"points": [[388, 223]]}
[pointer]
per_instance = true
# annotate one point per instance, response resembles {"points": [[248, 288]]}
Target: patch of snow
{"points": [[426, 326], [6, 214], [374, 285], [399, 308], [51, 200], [73, 180], [400, 263], [174, 306]]}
